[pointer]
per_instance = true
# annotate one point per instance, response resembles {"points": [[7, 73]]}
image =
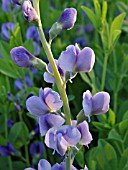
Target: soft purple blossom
{"points": [[61, 166], [86, 136], [48, 78], [6, 5], [36, 129], [36, 48], [85, 168], [10, 123], [29, 12], [28, 81], [81, 41], [36, 148], [98, 104], [88, 28], [48, 121], [18, 84], [74, 59], [32, 33], [6, 28], [22, 57], [60, 138], [48, 101], [7, 150], [68, 18]]}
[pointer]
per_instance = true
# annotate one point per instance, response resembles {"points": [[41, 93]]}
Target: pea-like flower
{"points": [[45, 165], [68, 18], [86, 136], [76, 60], [60, 138], [98, 104], [7, 150], [36, 148], [48, 78], [22, 57], [6, 28], [29, 12], [48, 121], [48, 101], [32, 33]]}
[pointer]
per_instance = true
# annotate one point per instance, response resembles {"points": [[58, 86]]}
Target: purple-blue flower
{"points": [[18, 2], [48, 101], [29, 12], [60, 138], [10, 123], [6, 5], [48, 78], [22, 57], [68, 18], [86, 136], [7, 150], [18, 84], [36, 148], [61, 166], [88, 28], [74, 59], [6, 28], [98, 104], [81, 41], [32, 33], [48, 121]]}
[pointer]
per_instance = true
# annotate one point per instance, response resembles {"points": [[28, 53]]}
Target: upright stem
{"points": [[104, 71], [50, 57], [68, 160]]}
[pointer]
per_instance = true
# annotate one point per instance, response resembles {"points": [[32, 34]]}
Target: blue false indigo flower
{"points": [[32, 33], [68, 18], [48, 121], [61, 166], [61, 138], [65, 22], [10, 97], [98, 104], [36, 149], [42, 165], [18, 84], [7, 150], [48, 101], [85, 168], [36, 129], [28, 81], [10, 123], [76, 60], [88, 28], [29, 12], [22, 57], [81, 41], [6, 27], [86, 136], [48, 78]]}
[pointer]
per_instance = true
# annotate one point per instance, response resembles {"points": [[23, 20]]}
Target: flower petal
{"points": [[48, 78], [67, 58], [48, 121], [85, 60], [87, 103], [36, 106], [86, 136], [100, 103], [44, 165], [50, 138], [52, 99]]}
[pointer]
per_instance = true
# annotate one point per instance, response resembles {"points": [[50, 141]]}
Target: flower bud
{"points": [[29, 12], [68, 18], [22, 57]]}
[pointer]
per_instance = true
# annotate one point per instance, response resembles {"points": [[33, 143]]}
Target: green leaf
{"points": [[91, 16], [19, 134], [116, 24], [104, 11], [29, 45], [124, 160], [2, 141], [86, 79], [123, 127], [114, 135], [101, 126], [18, 165], [98, 11], [105, 36], [107, 158], [111, 118], [80, 157]]}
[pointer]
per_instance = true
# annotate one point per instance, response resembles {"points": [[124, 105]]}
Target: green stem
{"points": [[26, 155], [104, 71], [10, 163], [68, 160], [57, 76]]}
